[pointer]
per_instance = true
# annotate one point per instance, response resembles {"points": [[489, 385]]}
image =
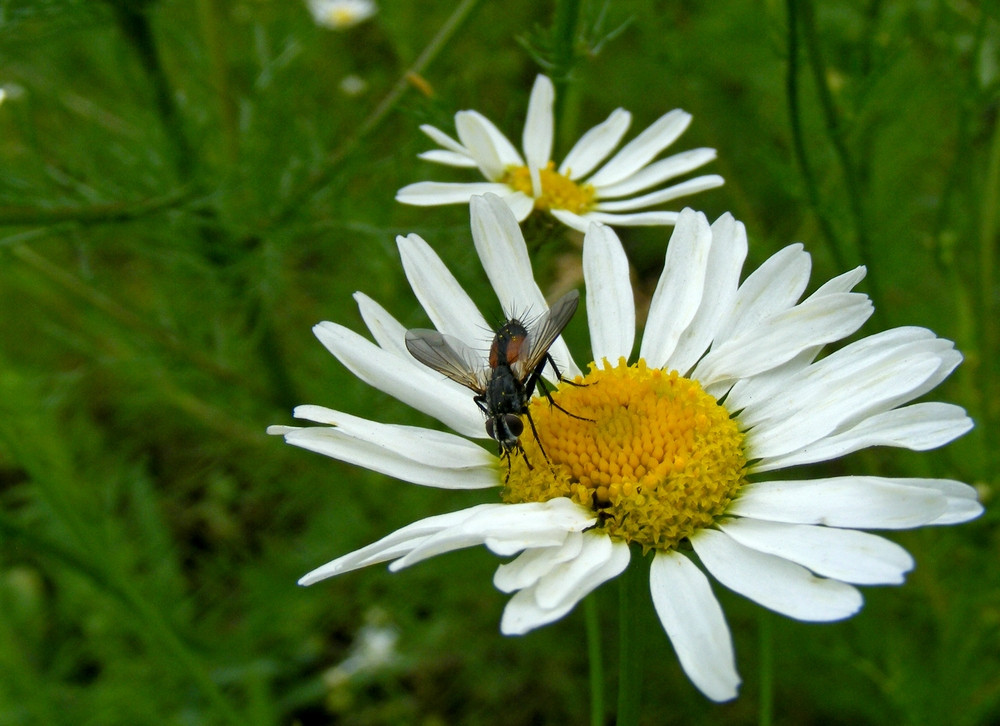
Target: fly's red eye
{"points": [[514, 424]]}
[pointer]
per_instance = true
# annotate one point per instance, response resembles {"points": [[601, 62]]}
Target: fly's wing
{"points": [[544, 332], [448, 356]]}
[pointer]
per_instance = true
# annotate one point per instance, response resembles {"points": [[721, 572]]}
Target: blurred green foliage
{"points": [[186, 189]]}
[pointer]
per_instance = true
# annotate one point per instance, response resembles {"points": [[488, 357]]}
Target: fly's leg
{"points": [[536, 380], [531, 422], [551, 361], [505, 454]]}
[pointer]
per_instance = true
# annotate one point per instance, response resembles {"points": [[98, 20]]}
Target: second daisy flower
{"points": [[584, 188]]}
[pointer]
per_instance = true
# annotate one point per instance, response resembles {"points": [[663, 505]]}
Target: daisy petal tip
{"points": [[959, 512], [511, 627], [542, 81], [311, 578], [691, 217], [724, 690], [520, 619]]}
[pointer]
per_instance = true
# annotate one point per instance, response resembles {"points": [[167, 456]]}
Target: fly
{"points": [[504, 389]]}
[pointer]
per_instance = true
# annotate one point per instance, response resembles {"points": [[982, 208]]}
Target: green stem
{"points": [[834, 127], [765, 717], [211, 27], [836, 133], [323, 175], [633, 583], [134, 25], [798, 138], [567, 14], [961, 149], [592, 619]]}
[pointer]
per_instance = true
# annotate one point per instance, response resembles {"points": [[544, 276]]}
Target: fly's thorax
{"points": [[509, 344]]}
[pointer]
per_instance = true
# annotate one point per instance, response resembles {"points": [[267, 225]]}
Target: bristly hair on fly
{"points": [[503, 390]]}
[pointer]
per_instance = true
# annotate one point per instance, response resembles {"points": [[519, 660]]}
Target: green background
{"points": [[186, 190]]}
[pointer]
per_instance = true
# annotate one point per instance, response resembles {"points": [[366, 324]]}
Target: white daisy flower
{"points": [[671, 454], [578, 191], [341, 14]]}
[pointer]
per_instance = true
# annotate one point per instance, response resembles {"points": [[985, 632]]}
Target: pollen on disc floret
{"points": [[558, 190], [655, 455]]}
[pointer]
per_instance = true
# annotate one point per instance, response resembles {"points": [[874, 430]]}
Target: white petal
{"points": [[599, 560], [571, 220], [610, 304], [832, 400], [490, 148], [686, 188], [775, 583], [641, 150], [431, 194], [860, 502], [695, 624], [865, 378], [919, 427], [520, 204], [746, 392], [424, 446], [958, 511], [843, 554], [594, 146], [538, 128], [387, 331], [444, 140], [948, 360], [657, 172], [961, 499], [448, 158], [531, 565], [928, 346], [504, 255], [636, 219], [382, 458], [679, 291], [844, 282], [448, 306], [722, 278], [783, 336], [395, 544], [773, 287], [757, 397], [567, 583], [506, 529], [404, 379]]}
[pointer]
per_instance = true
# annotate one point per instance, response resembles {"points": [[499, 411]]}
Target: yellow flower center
{"points": [[658, 458], [341, 17], [558, 191]]}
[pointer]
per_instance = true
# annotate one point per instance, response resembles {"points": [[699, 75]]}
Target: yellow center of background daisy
{"points": [[558, 191], [341, 16], [658, 460]]}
